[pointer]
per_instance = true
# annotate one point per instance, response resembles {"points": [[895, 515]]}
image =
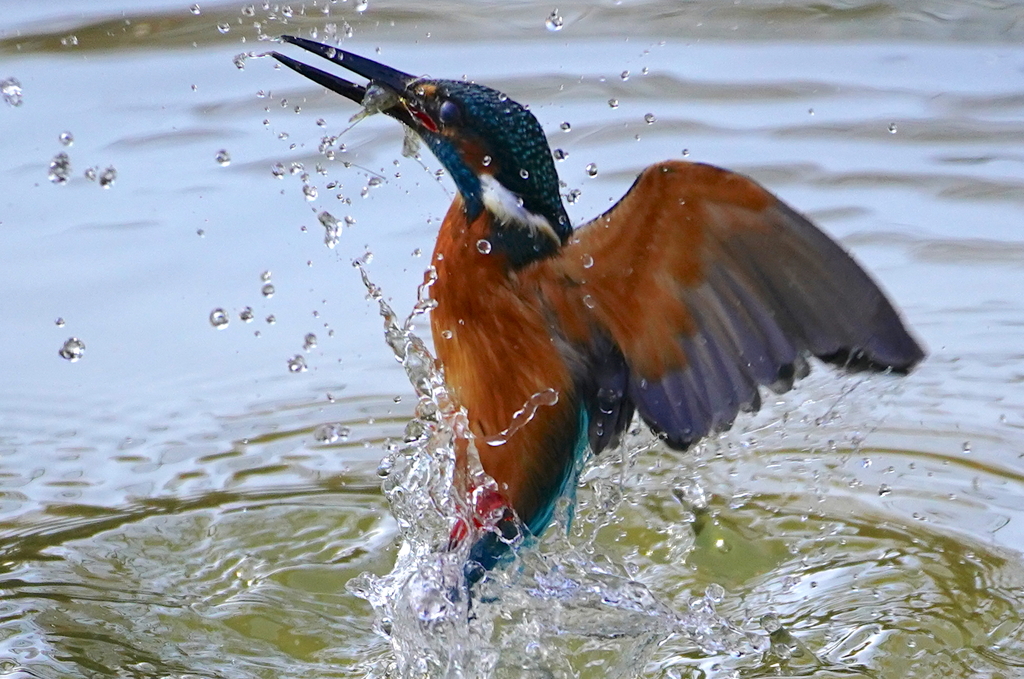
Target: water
{"points": [[180, 502]]}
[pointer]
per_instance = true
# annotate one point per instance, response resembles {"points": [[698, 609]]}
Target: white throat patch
{"points": [[508, 208]]}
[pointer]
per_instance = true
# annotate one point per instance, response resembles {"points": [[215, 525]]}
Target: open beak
{"points": [[394, 82]]}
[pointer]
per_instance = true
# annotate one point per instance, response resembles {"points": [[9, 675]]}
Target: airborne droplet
{"points": [[483, 246], [330, 433], [614, 103], [892, 128], [72, 350], [649, 118], [332, 229], [60, 169], [592, 170], [297, 364], [219, 318], [267, 290], [107, 177], [223, 158], [554, 22], [66, 138], [10, 88], [309, 342]]}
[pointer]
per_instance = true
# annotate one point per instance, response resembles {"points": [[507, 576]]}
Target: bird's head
{"points": [[493, 147]]}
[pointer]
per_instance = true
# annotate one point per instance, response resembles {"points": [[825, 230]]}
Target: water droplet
{"points": [[565, 126], [644, 70], [278, 170], [297, 364], [246, 314], [309, 191], [362, 5], [331, 433], [560, 154], [483, 246], [223, 158], [219, 318], [770, 622], [649, 118], [614, 103], [714, 592], [884, 490], [589, 301], [966, 447], [810, 111], [66, 138], [588, 261], [60, 169], [10, 88], [107, 177], [271, 319], [59, 322], [573, 196], [267, 289], [485, 161], [447, 334], [592, 170], [90, 173], [72, 350], [195, 9], [266, 276], [249, 11], [892, 128], [332, 229], [554, 22], [625, 75], [69, 41], [309, 342], [524, 173], [239, 60], [223, 27], [686, 152]]}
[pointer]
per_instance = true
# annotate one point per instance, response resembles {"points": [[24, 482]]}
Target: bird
{"points": [[695, 291]]}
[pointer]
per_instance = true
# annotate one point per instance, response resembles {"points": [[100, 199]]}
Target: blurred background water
{"points": [[189, 497]]}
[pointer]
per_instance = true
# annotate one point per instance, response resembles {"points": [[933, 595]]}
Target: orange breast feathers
{"points": [[498, 351]]}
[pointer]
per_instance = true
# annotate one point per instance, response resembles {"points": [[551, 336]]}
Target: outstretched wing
{"points": [[710, 286]]}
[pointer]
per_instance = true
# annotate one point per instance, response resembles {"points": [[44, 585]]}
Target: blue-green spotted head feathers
{"points": [[498, 155], [493, 147]]}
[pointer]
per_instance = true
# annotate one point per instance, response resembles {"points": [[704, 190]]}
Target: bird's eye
{"points": [[449, 113]]}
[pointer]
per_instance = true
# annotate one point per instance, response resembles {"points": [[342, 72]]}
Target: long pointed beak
{"points": [[375, 72]]}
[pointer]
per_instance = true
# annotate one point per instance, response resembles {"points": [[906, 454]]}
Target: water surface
{"points": [[172, 505]]}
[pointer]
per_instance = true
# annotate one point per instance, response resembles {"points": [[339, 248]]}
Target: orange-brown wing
{"points": [[710, 286]]}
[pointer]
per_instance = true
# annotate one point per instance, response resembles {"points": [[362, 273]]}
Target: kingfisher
{"points": [[680, 303]]}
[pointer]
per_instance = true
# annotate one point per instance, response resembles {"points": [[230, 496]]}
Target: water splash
{"points": [[540, 614]]}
